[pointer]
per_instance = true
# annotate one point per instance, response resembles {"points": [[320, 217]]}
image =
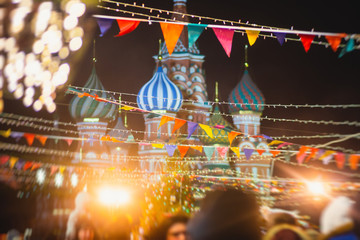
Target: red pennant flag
{"points": [[183, 150], [232, 135], [354, 159], [260, 151], [4, 159], [312, 154], [35, 166], [165, 119], [68, 141], [275, 152], [222, 151], [178, 124], [42, 139], [29, 138], [53, 169], [306, 41], [340, 160], [300, 156], [225, 37], [335, 41], [126, 26], [27, 165], [171, 34]]}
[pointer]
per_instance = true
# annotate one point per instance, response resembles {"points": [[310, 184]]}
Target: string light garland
{"points": [[343, 106]]}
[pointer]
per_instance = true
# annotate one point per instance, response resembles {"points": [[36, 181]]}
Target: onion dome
{"points": [[220, 135], [246, 96], [87, 107], [160, 94]]}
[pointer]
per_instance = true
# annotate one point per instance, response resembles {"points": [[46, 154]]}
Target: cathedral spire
{"points": [[246, 57]]}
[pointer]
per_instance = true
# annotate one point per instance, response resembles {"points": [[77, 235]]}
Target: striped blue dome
{"points": [[160, 94]]}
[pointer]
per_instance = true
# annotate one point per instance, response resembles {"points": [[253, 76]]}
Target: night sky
{"points": [[285, 74]]}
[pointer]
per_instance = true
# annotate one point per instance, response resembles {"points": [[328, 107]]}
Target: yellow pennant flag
{"points": [[275, 142], [326, 154], [62, 169], [157, 145], [127, 108], [199, 148], [236, 150], [252, 36], [165, 119], [207, 129], [6, 133], [13, 161]]}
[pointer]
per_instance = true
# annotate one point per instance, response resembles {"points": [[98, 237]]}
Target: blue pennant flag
{"points": [[104, 25]]}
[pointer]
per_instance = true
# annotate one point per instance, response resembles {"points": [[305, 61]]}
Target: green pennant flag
{"points": [[194, 32]]}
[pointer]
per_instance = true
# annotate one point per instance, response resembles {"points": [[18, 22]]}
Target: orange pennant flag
{"points": [[27, 165], [354, 159], [29, 138], [260, 151], [312, 154], [178, 124], [236, 150], [165, 119], [116, 140], [199, 148], [53, 169], [183, 150], [275, 152], [252, 36], [42, 139], [105, 138], [35, 166], [335, 41], [340, 160], [232, 135], [171, 34]]}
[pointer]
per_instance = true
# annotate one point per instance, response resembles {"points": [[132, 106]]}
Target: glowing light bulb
{"points": [[59, 178], [40, 176], [37, 105], [74, 180], [75, 44], [70, 22]]}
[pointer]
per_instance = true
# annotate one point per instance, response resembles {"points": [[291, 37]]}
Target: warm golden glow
{"points": [[316, 188], [113, 196]]}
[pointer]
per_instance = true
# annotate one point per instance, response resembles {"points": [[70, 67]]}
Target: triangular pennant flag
{"points": [[129, 108], [207, 129], [354, 159], [68, 141], [252, 36], [274, 152], [280, 36], [178, 124], [267, 137], [326, 154], [306, 41], [104, 25], [334, 41], [13, 161], [4, 159], [6, 133], [42, 139], [20, 164], [232, 135], [194, 32], [319, 153], [340, 160], [300, 156], [171, 34], [165, 119], [327, 159], [222, 151], [248, 153], [29, 138], [283, 145], [157, 145], [275, 142], [199, 148], [62, 169], [35, 166], [116, 140], [17, 135], [170, 149], [126, 26], [191, 128], [348, 48], [183, 150], [260, 151], [225, 37], [53, 169], [209, 151], [312, 154], [236, 150], [27, 165]]}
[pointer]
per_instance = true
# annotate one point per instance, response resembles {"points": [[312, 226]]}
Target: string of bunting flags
{"points": [[172, 30]]}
